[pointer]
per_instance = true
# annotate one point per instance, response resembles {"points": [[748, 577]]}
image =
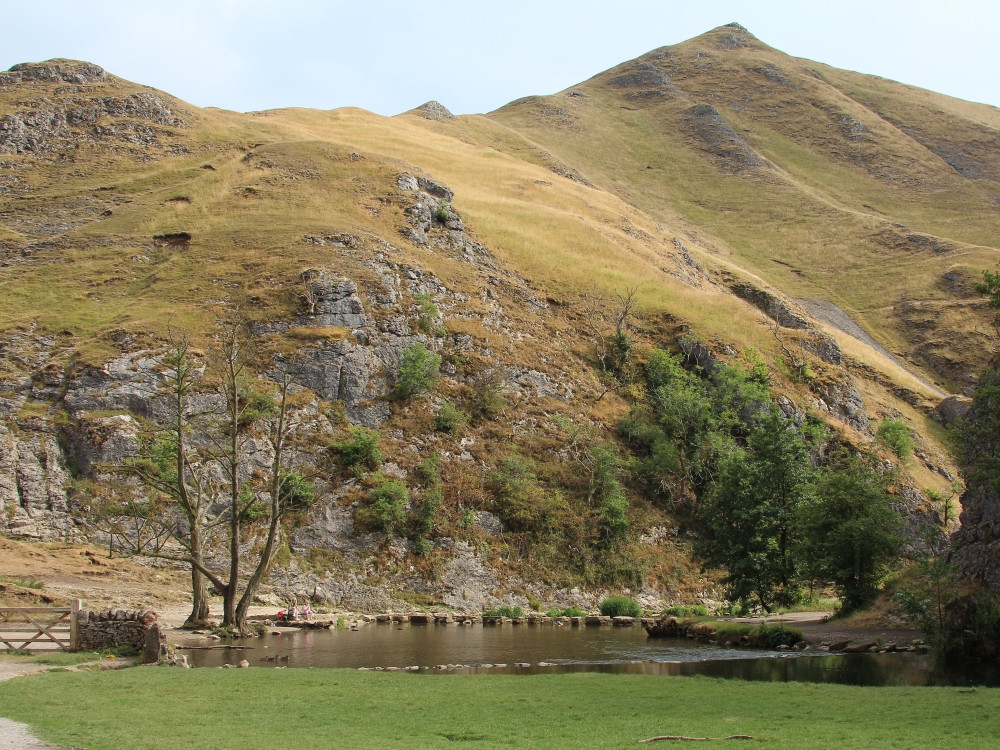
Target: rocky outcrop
{"points": [[977, 542], [711, 133], [842, 399], [771, 305], [434, 110], [33, 482], [53, 71], [66, 116]]}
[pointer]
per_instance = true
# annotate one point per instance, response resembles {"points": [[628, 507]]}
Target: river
{"points": [[548, 649]]}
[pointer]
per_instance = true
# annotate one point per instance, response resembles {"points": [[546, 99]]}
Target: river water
{"points": [[548, 649]]}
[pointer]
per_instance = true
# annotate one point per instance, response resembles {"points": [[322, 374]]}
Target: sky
{"points": [[389, 56]]}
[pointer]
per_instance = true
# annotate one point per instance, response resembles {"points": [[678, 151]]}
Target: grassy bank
{"points": [[159, 708]]}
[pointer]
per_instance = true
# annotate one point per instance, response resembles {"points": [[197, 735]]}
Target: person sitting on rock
{"points": [[293, 611], [305, 611]]}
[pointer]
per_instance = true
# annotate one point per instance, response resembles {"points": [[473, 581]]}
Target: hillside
{"points": [[716, 197]]}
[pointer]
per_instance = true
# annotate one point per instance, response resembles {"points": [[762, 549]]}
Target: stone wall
{"points": [[121, 628]]}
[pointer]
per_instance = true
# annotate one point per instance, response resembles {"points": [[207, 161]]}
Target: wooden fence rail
{"points": [[39, 628]]}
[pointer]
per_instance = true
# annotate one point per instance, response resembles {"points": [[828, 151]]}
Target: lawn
{"points": [[161, 708]]}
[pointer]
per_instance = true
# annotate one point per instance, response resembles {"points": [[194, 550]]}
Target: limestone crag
{"points": [[977, 542], [65, 116]]}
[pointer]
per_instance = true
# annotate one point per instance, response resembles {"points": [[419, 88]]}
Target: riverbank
{"points": [[170, 709]]}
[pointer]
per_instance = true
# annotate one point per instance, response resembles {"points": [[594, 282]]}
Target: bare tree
{"points": [[608, 323], [211, 465]]}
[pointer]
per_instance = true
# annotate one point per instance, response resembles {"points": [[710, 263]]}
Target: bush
{"points": [[429, 314], [896, 436], [694, 610], [450, 419], [488, 400], [505, 611], [360, 450], [419, 370], [442, 214], [568, 612], [386, 508], [620, 606]]}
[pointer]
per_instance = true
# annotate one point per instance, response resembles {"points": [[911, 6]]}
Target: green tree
{"points": [[750, 516], [852, 535], [990, 286]]}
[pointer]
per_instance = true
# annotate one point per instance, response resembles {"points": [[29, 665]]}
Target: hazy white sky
{"points": [[389, 56]]}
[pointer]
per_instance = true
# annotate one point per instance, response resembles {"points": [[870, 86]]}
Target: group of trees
{"points": [[775, 503], [220, 475]]}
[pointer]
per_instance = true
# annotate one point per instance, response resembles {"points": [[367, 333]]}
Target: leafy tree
{"points": [[604, 484], [990, 286], [750, 515], [852, 534]]}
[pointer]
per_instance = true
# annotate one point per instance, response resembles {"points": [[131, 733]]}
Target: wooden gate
{"points": [[39, 628]]}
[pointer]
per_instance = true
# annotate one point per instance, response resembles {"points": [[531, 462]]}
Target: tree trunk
{"points": [[199, 607]]}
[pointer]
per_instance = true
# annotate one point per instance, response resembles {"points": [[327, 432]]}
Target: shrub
{"points": [[297, 493], [568, 612], [620, 606], [442, 214], [694, 610], [429, 313], [896, 436], [419, 370], [450, 419], [488, 399], [360, 451], [386, 507], [505, 611]]}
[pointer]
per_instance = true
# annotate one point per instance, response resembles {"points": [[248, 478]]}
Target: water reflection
{"points": [[567, 649]]}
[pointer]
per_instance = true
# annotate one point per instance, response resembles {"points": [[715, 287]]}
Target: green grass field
{"points": [[158, 708]]}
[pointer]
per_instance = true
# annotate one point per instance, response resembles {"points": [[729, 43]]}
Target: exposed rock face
{"points": [[977, 542], [953, 410], [68, 116], [843, 400], [735, 36], [33, 479], [716, 137], [433, 110], [643, 80], [53, 71], [771, 305]]}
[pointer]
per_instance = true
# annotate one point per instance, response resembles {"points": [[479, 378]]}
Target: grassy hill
{"points": [[831, 186], [689, 181]]}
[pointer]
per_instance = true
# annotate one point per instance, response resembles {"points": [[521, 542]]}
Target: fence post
{"points": [[74, 626]]}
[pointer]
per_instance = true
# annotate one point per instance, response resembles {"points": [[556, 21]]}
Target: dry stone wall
{"points": [[121, 628]]}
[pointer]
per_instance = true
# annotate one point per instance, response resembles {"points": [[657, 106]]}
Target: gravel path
{"points": [[13, 734]]}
